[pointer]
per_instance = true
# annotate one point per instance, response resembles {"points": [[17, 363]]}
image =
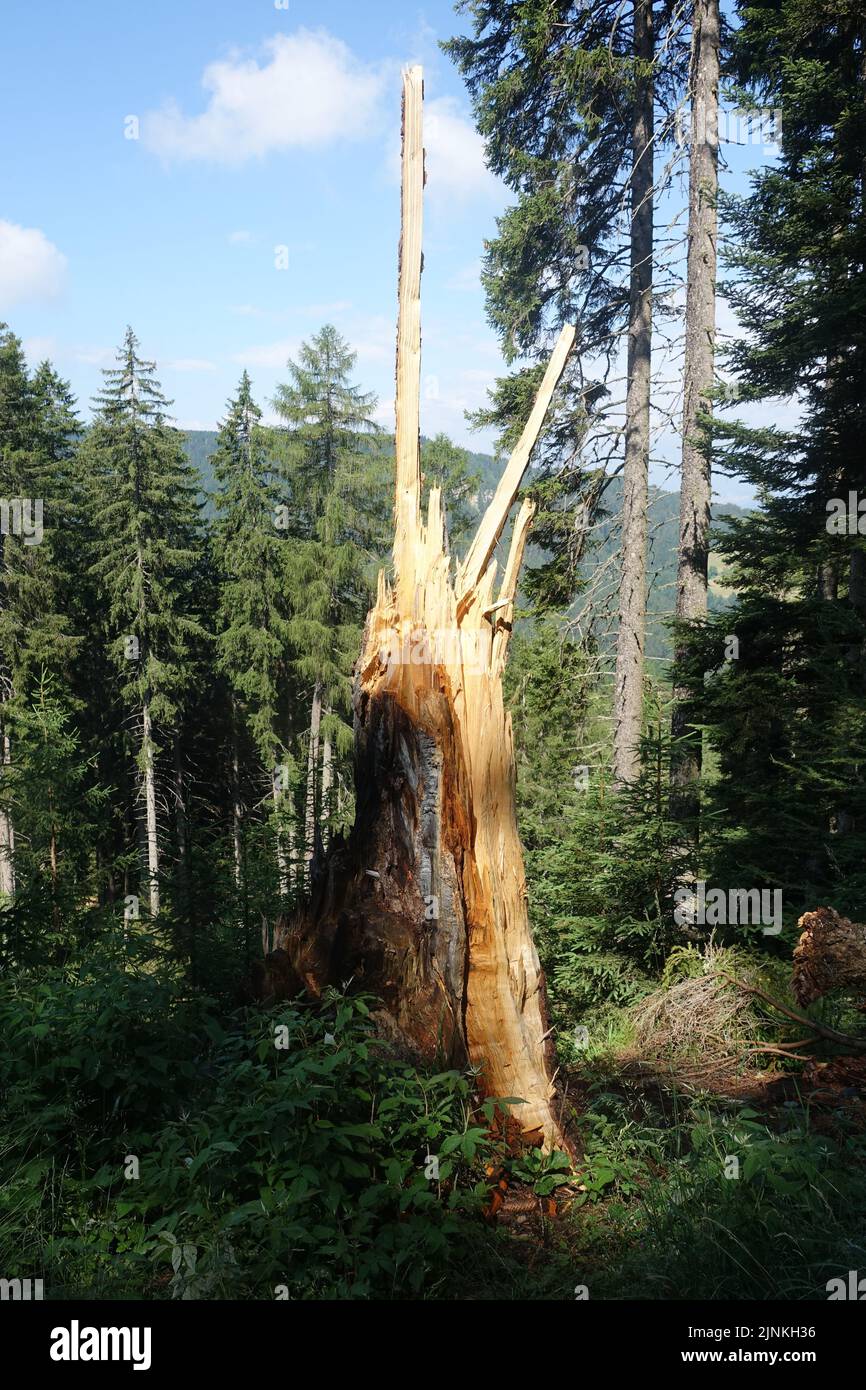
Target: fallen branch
{"points": [[820, 1028]]}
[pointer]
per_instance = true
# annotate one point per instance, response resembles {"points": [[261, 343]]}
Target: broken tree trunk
{"points": [[830, 955], [425, 906]]}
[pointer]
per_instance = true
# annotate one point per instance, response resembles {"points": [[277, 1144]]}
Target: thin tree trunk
{"points": [[631, 636], [696, 485], [327, 775], [181, 822], [53, 861], [184, 858], [148, 774], [282, 862], [237, 807], [7, 830], [311, 805], [425, 906]]}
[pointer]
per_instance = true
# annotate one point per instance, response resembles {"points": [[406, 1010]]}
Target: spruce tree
{"points": [[786, 708], [146, 536], [338, 505], [38, 428], [564, 95], [252, 624], [699, 366]]}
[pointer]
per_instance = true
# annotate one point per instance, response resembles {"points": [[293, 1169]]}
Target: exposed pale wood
{"points": [[408, 374], [425, 906], [495, 517], [505, 603], [7, 832], [830, 955]]}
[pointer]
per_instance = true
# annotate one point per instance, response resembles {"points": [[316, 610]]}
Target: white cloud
{"points": [[384, 414], [308, 91], [373, 338], [318, 311], [238, 238], [31, 267], [455, 152], [454, 155]]}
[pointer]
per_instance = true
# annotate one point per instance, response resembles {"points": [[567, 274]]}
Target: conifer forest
{"points": [[433, 665]]}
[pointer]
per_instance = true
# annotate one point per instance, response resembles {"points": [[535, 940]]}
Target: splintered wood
{"points": [[435, 645], [424, 907]]}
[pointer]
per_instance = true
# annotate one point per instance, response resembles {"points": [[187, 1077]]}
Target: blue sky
{"points": [[258, 127]]}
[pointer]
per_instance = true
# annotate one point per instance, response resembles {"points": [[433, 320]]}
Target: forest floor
{"points": [[658, 1209], [173, 1146]]}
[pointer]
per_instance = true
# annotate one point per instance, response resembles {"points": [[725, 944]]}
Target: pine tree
{"points": [[146, 527], [564, 95], [38, 427], [15, 418], [696, 485], [785, 708], [338, 505], [55, 799], [252, 624]]}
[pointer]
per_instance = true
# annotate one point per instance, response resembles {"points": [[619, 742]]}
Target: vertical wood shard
{"points": [[495, 517], [426, 905], [408, 371]]}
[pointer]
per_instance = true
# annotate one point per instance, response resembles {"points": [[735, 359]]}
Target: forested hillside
{"points": [[426, 875], [663, 513]]}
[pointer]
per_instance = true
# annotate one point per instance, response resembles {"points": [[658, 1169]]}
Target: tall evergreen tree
{"points": [[788, 714], [700, 340], [37, 434], [337, 476], [564, 95], [252, 625], [15, 418], [146, 527]]}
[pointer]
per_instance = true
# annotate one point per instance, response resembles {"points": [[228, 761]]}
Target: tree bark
{"points": [[311, 804], [237, 805], [327, 776], [696, 485], [631, 635], [425, 905], [148, 774], [7, 831], [282, 861]]}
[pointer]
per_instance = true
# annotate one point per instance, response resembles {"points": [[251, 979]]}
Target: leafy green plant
{"points": [[543, 1172]]}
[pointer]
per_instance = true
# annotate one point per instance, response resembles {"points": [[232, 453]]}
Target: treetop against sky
{"points": [[224, 176]]}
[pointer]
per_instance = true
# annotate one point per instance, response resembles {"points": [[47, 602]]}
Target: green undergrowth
{"points": [[154, 1144]]}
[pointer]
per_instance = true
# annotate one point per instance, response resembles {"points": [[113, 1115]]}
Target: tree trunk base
{"points": [[425, 905], [394, 912]]}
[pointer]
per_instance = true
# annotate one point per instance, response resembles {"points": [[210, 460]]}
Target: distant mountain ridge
{"points": [[664, 510]]}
